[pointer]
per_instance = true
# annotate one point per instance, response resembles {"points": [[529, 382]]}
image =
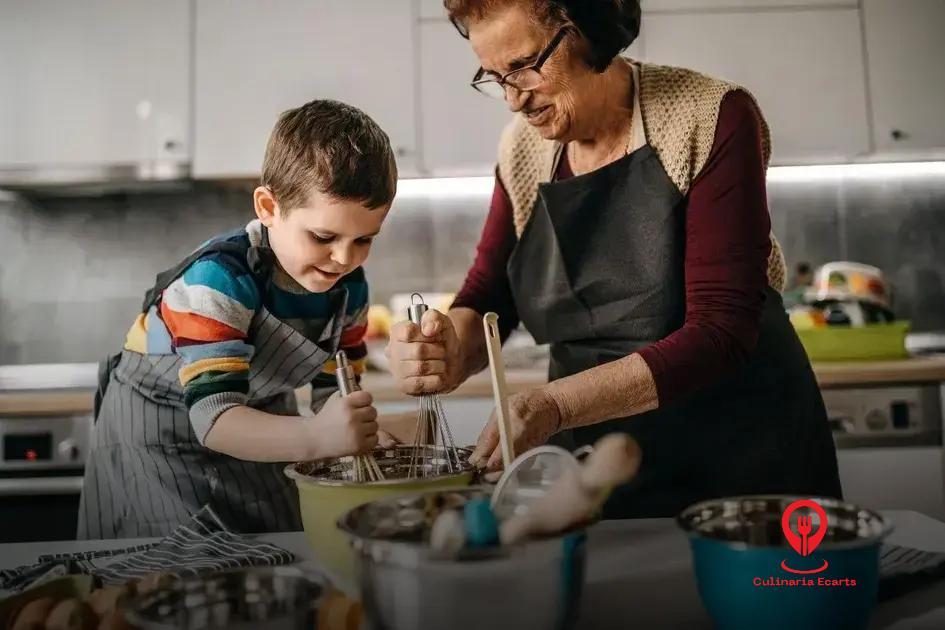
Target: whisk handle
{"points": [[344, 374], [415, 312]]}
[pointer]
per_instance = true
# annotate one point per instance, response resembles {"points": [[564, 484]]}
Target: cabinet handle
{"points": [[170, 145], [898, 134]]}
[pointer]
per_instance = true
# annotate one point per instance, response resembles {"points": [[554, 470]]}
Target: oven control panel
{"points": [[907, 414], [43, 442]]}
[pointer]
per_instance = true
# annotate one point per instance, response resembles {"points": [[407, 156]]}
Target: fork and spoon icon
{"points": [[804, 528]]}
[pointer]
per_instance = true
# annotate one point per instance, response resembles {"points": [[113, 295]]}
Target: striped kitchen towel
{"points": [[902, 569], [201, 545]]}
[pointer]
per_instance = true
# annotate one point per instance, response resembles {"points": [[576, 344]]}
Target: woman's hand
{"points": [[534, 416], [425, 359]]}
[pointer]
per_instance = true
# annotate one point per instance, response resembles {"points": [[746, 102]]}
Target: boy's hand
{"points": [[386, 440], [345, 426], [425, 359]]}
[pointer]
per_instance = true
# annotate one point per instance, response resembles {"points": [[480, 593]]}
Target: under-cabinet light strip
{"points": [[462, 186]]}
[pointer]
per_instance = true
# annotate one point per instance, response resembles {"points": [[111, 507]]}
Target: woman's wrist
{"points": [[617, 389], [466, 361], [556, 409]]}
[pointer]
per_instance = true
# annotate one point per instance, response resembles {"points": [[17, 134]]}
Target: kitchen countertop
{"points": [[928, 369], [639, 570], [14, 400], [380, 384]]}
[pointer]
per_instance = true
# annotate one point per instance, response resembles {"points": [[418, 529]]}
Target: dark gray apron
{"points": [[147, 473], [598, 274]]}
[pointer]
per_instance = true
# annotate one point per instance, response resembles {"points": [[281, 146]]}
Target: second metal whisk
{"points": [[433, 438], [364, 468]]}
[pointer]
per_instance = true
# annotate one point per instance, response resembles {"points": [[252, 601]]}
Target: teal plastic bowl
{"points": [[750, 574]]}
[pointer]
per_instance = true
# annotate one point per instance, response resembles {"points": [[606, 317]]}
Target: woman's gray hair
{"points": [[607, 26]]}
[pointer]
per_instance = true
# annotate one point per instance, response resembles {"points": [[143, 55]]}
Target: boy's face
{"points": [[322, 241]]}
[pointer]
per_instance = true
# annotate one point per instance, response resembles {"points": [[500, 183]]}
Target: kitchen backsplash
{"points": [[73, 270]]}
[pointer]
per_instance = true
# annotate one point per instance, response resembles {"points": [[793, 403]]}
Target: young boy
{"points": [[200, 406]]}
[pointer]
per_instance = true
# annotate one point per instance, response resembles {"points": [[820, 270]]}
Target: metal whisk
{"points": [[364, 468], [433, 430]]}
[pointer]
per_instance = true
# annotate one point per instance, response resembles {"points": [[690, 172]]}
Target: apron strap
{"points": [[260, 259], [637, 132]]}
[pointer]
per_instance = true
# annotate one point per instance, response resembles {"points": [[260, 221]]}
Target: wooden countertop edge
{"points": [[829, 375], [381, 386], [913, 370]]}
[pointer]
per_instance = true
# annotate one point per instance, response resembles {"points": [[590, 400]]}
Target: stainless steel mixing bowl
{"points": [[407, 585], [270, 598]]}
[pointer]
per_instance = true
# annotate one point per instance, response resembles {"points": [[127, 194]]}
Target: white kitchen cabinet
{"points": [[905, 53], [98, 83], [460, 127], [712, 5], [804, 66], [431, 9], [255, 59]]}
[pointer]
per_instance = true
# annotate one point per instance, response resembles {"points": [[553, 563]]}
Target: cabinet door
{"points": [[432, 9], [905, 54], [460, 127], [98, 82], [256, 59], [805, 67]]}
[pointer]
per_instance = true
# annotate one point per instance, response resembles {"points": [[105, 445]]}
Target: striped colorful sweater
{"points": [[204, 317]]}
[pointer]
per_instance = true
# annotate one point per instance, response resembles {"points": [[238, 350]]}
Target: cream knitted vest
{"points": [[680, 109]]}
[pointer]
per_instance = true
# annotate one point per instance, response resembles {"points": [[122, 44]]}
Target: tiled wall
{"points": [[73, 270], [897, 224]]}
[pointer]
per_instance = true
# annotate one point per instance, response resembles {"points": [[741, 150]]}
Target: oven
{"points": [[43, 460], [889, 444]]}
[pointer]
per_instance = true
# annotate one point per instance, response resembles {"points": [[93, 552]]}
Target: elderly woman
{"points": [[629, 229]]}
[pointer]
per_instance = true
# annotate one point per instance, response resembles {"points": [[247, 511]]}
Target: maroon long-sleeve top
{"points": [[726, 253]]}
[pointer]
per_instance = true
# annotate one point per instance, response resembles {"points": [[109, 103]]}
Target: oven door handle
{"points": [[40, 486]]}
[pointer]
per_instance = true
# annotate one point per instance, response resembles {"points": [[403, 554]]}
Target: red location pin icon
{"points": [[794, 539]]}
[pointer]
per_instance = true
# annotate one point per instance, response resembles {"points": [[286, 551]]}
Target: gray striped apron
{"points": [[147, 473]]}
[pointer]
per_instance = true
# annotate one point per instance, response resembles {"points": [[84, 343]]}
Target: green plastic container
{"points": [[856, 343]]}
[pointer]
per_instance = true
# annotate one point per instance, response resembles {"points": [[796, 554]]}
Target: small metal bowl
{"points": [[749, 576], [276, 598], [407, 585]]}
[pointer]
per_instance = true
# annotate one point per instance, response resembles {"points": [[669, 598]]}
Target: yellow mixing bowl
{"points": [[326, 492]]}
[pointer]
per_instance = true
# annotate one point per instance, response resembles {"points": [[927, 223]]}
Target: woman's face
{"points": [[510, 38]]}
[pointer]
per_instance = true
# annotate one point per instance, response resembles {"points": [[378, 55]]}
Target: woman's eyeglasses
{"points": [[522, 79]]}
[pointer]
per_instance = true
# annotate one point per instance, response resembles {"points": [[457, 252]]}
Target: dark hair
{"points": [[334, 147], [607, 26]]}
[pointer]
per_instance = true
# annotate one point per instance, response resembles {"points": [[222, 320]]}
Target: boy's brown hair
{"points": [[334, 147]]}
